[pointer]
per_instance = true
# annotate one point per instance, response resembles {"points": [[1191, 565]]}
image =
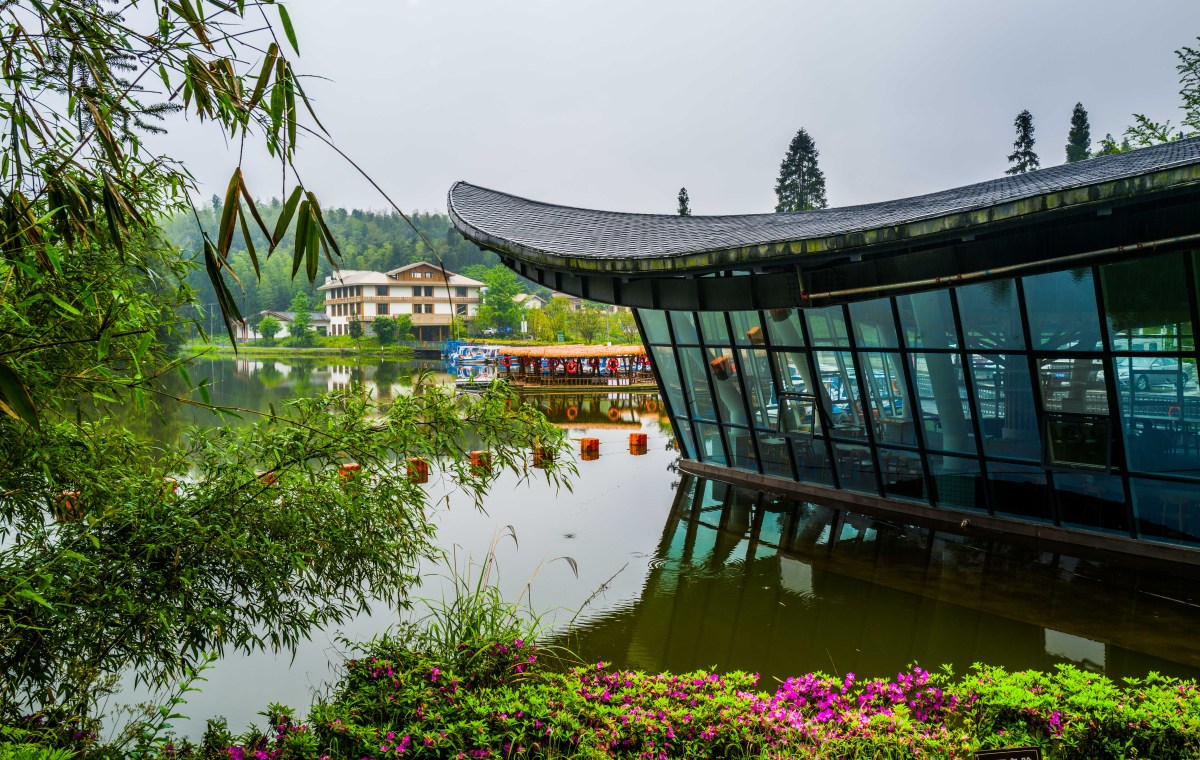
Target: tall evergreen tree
{"points": [[1023, 159], [684, 208], [1079, 140], [801, 183]]}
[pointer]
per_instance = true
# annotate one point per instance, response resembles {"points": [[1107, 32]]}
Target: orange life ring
{"points": [[612, 365], [572, 368], [614, 413], [572, 412], [651, 406], [506, 361]]}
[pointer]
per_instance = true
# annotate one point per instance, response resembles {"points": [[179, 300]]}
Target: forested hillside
{"points": [[369, 240]]}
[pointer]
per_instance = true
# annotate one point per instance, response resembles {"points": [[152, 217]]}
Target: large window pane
{"points": [[684, 325], [927, 320], [888, 396], [812, 461], [942, 394], [1072, 385], [991, 317], [1166, 511], [773, 453], [713, 328], [1062, 311], [686, 446], [694, 376], [730, 405], [958, 482], [741, 448], [855, 468], [746, 328], [827, 326], [873, 323], [654, 323], [1146, 304], [1007, 416], [903, 476], [839, 384], [783, 327], [664, 362], [1096, 502], [712, 448], [760, 387], [1020, 491], [1160, 418]]}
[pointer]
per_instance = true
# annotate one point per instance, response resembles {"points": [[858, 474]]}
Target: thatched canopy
{"points": [[573, 352]]}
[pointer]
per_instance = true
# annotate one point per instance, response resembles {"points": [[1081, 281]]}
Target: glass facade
{"points": [[1066, 398]]}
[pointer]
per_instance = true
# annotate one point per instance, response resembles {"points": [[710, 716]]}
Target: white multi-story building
{"points": [[421, 291]]}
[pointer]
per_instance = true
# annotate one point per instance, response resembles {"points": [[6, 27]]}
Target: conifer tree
{"points": [[1023, 159], [1079, 140], [801, 184], [684, 208]]}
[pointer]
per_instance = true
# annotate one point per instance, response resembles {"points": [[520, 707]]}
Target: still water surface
{"points": [[680, 573]]}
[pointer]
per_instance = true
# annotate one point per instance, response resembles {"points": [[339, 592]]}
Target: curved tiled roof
{"points": [[546, 234]]}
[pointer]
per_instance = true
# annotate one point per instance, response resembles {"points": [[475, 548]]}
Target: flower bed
{"points": [[504, 703]]}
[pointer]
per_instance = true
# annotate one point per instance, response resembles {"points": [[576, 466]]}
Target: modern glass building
{"points": [[1018, 354]]}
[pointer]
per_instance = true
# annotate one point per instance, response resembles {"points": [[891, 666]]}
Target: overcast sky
{"points": [[616, 104]]}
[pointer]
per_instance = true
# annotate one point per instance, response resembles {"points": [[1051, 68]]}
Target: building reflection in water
{"points": [[753, 581]]}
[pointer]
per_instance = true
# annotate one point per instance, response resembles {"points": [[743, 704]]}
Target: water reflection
{"points": [[754, 581]]}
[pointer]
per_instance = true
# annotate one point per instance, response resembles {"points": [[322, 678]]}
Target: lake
{"points": [[680, 573]]}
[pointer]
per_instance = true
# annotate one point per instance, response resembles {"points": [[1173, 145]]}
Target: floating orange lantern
{"points": [[481, 462], [638, 439], [542, 457], [589, 444], [346, 471], [418, 470], [268, 477]]}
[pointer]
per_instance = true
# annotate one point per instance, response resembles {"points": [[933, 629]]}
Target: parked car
{"points": [[1150, 371]]}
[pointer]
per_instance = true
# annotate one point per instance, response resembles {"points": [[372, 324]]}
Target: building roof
{"points": [[288, 316], [546, 235], [523, 297], [343, 277]]}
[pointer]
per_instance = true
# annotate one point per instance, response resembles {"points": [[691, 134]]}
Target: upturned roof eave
{"points": [[965, 221]]}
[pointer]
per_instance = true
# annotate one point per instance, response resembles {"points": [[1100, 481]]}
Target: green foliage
{"points": [[1023, 158], [299, 330], [268, 328], [226, 560], [801, 183], [385, 330], [356, 329], [1079, 139], [498, 308], [684, 208], [502, 700], [1189, 87]]}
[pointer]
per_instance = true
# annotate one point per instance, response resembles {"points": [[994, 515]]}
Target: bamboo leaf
{"points": [[16, 400], [249, 244], [29, 593], [264, 76], [262, 225], [228, 213], [285, 216], [302, 220], [287, 28]]}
